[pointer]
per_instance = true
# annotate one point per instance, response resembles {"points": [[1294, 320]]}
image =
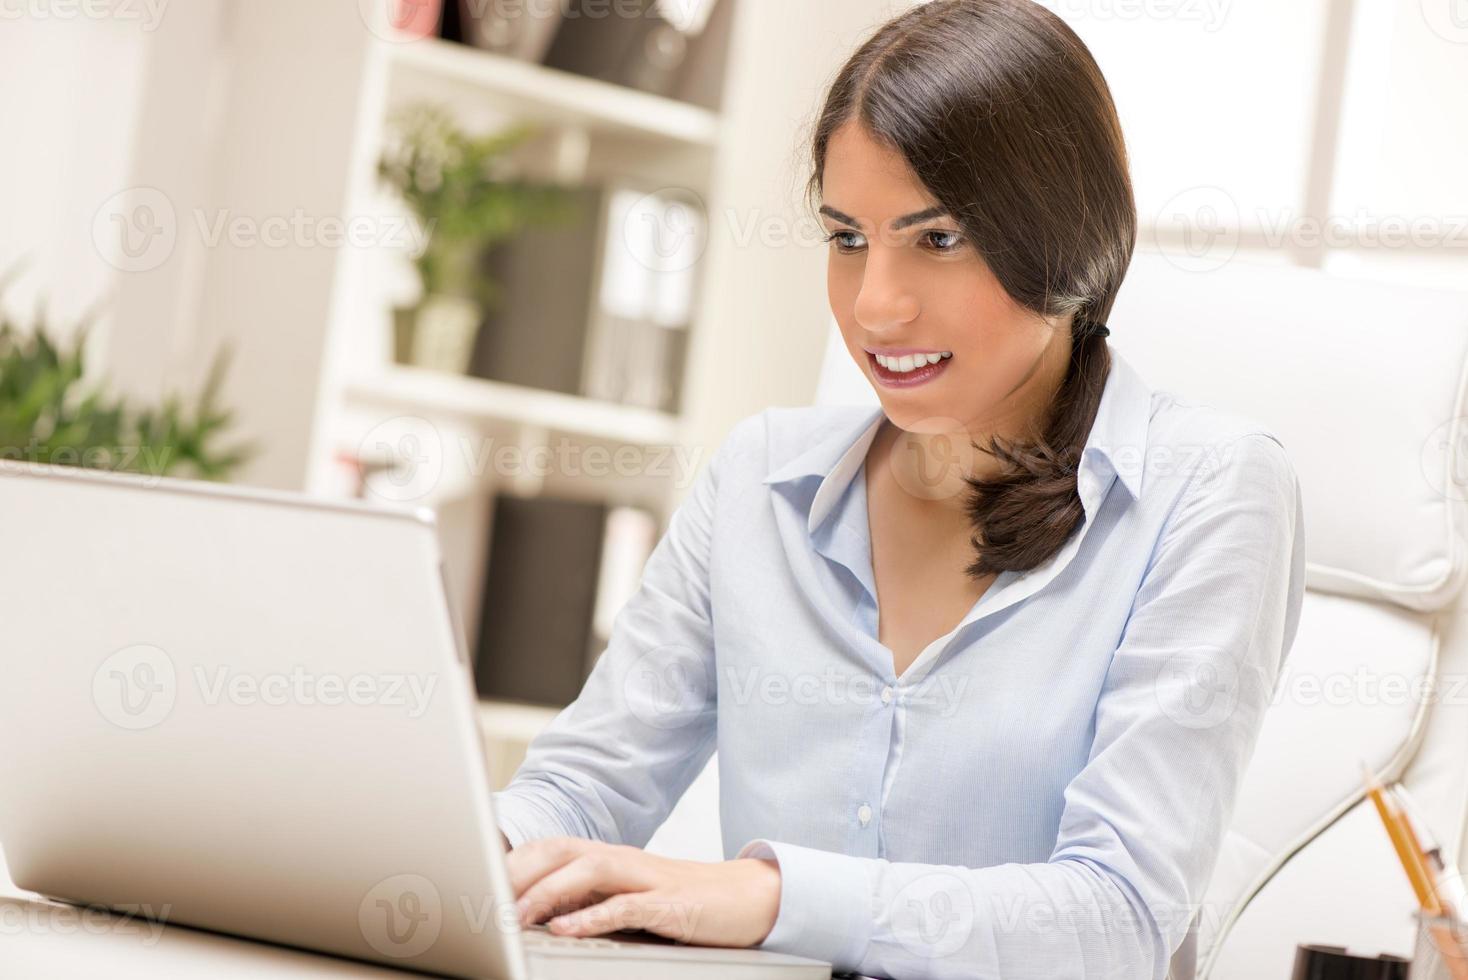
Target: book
{"points": [[539, 598]]}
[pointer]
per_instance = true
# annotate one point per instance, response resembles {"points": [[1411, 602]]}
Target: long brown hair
{"points": [[1004, 116]]}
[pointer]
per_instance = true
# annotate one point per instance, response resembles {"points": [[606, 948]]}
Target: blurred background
{"points": [[525, 262]]}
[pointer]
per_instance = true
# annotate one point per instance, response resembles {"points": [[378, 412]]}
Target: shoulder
{"points": [[773, 437], [1199, 451]]}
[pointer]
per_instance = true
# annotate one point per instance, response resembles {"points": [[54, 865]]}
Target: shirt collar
{"points": [[1115, 447]]}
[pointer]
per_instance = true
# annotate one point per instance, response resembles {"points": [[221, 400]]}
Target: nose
{"points": [[885, 302]]}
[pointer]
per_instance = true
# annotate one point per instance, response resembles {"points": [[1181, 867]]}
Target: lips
{"points": [[906, 379]]}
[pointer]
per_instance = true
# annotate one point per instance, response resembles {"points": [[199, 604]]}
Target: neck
{"points": [[934, 466]]}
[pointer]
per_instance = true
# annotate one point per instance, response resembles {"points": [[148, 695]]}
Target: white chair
{"points": [[1365, 384]]}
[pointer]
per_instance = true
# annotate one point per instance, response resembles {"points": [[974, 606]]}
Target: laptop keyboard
{"points": [[541, 937]]}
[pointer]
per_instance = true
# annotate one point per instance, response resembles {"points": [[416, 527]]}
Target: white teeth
{"points": [[908, 362]]}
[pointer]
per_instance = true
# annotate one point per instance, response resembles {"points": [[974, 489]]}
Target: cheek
{"points": [[843, 284]]}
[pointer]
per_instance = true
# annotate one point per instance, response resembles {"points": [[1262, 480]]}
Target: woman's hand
{"points": [[587, 888]]}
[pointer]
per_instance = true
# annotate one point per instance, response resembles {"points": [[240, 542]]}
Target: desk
{"points": [[41, 940]]}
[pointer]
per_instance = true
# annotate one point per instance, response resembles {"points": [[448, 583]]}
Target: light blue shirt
{"points": [[1043, 792]]}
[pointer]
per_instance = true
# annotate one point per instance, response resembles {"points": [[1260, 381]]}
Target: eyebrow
{"points": [[897, 225]]}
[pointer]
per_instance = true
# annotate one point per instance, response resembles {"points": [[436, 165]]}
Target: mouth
{"points": [[908, 370]]}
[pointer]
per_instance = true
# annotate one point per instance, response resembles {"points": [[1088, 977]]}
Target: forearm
{"points": [[881, 918]]}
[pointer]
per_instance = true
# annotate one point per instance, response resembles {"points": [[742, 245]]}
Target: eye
{"points": [[943, 241], [846, 241]]}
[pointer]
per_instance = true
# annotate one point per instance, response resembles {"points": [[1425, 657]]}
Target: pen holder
{"points": [[1442, 948]]}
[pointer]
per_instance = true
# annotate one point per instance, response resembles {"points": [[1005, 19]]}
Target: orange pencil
{"points": [[1413, 862]]}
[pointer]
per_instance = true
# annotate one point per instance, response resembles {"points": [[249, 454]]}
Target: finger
{"points": [[627, 910], [587, 880], [534, 859]]}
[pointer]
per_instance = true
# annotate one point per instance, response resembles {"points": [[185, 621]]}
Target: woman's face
{"points": [[904, 282]]}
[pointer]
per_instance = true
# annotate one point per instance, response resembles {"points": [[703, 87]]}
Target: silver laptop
{"points": [[252, 712]]}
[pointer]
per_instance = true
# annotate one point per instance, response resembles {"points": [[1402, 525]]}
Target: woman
{"points": [[983, 667]]}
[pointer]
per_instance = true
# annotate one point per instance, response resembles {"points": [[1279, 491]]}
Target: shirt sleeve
{"points": [[613, 763], [1176, 722]]}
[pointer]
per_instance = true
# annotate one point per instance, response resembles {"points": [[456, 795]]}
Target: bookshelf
{"points": [[589, 132], [477, 400], [285, 111], [464, 78]]}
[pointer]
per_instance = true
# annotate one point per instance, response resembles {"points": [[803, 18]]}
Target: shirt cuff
{"points": [[825, 903], [521, 820]]}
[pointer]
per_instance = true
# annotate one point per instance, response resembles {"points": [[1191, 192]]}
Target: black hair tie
{"points": [[1089, 328]]}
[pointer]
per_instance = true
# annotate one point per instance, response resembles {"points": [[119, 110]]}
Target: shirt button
{"points": [[864, 814], [886, 695]]}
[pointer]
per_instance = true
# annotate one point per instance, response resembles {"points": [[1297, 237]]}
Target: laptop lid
{"points": [[247, 711]]}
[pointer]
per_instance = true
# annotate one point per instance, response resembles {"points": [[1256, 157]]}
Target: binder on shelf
{"points": [[631, 535], [539, 599], [517, 30], [559, 573], [651, 245], [537, 335], [657, 50]]}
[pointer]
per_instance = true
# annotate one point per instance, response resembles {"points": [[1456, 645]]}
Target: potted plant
{"points": [[459, 188], [50, 413]]}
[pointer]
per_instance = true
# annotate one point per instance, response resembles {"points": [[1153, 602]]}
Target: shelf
{"points": [[431, 69], [513, 721], [439, 393]]}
